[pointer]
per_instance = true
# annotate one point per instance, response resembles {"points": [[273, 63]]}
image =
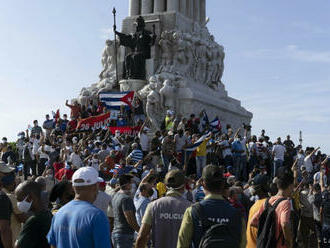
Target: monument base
{"points": [[196, 98], [132, 84]]}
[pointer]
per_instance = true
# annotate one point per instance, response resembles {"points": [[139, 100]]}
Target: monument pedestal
{"points": [[132, 84]]}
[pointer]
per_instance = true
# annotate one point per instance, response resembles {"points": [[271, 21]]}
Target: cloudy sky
{"points": [[277, 59]]}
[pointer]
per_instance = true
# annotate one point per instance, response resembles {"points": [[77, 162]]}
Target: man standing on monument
{"points": [[140, 43]]}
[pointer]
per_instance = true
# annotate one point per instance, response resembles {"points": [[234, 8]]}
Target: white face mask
{"points": [[159, 170], [252, 191], [24, 206]]}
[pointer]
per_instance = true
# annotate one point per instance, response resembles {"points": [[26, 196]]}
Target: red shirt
{"points": [[57, 166], [72, 125], [68, 173]]}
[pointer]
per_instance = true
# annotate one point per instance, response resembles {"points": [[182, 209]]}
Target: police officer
{"points": [[213, 210], [164, 215]]}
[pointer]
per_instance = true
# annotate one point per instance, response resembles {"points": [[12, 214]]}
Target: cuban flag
{"points": [[215, 125], [116, 170], [113, 100], [197, 143]]}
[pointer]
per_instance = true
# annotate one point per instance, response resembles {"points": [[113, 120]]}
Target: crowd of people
{"points": [[185, 185]]}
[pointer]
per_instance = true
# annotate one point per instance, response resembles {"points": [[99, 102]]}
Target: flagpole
{"points": [[114, 30]]}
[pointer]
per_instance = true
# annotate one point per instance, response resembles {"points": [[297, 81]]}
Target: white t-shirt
{"points": [[102, 202], [46, 149], [308, 164], [279, 151], [226, 151], [179, 142], [144, 141], [76, 160]]}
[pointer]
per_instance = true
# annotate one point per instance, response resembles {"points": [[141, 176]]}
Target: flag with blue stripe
{"points": [[215, 125], [197, 143], [113, 100]]}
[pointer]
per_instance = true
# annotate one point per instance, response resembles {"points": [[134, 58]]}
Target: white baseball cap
{"points": [[86, 176]]}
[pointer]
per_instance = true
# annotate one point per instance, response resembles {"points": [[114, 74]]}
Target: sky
{"points": [[277, 60]]}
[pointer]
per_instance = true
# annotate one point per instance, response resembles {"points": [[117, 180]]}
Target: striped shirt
{"points": [[136, 155]]}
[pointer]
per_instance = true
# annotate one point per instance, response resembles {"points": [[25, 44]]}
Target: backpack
{"points": [[216, 235], [267, 225]]}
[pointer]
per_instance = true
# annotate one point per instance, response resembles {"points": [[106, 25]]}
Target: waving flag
{"points": [[197, 143], [117, 169], [113, 100], [215, 125]]}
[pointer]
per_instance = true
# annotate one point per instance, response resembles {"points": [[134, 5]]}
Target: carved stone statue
{"points": [[166, 45], [167, 93], [153, 108], [140, 44], [108, 59]]}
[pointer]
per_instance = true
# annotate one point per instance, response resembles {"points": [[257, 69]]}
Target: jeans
{"points": [[166, 161], [228, 160], [237, 162], [200, 164], [276, 164], [121, 240]]}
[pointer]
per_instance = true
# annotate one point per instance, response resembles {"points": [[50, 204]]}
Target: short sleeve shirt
{"points": [[283, 212], [120, 204], [34, 231], [79, 224]]}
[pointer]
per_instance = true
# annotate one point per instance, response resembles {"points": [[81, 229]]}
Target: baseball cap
{"points": [[4, 168], [260, 179], [86, 176], [212, 174], [174, 179]]}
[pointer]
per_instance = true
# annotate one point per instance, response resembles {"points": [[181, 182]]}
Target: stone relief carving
{"points": [[194, 55]]}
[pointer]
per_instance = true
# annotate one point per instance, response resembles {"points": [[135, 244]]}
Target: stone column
{"points": [[173, 5], [159, 6], [202, 11], [196, 11], [134, 7], [146, 7], [190, 8], [183, 7]]}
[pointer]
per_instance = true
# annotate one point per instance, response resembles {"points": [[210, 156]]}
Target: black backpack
{"points": [[267, 226], [216, 235]]}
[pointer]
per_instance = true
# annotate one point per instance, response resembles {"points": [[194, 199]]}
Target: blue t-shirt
{"points": [[237, 148], [79, 224]]}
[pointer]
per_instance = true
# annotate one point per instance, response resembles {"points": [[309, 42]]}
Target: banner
{"points": [[93, 122], [125, 130]]}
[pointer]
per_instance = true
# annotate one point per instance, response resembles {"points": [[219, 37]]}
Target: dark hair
{"points": [[214, 186], [143, 187], [273, 189], [151, 178], [124, 179], [284, 180], [31, 187], [58, 190]]}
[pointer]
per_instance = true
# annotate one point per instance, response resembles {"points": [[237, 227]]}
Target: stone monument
{"points": [[185, 66]]}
